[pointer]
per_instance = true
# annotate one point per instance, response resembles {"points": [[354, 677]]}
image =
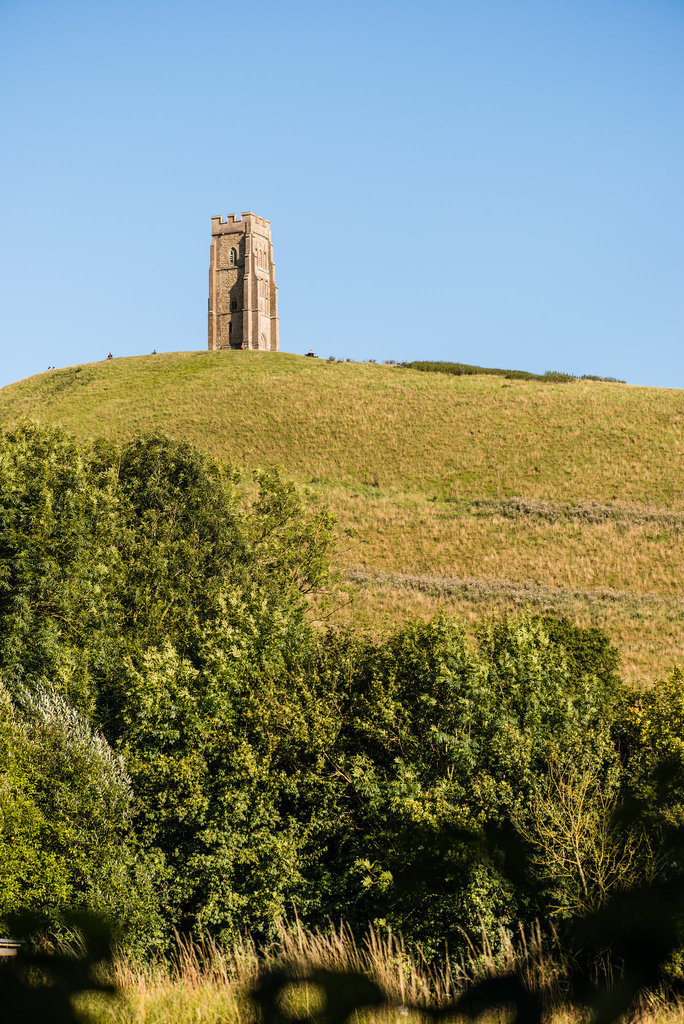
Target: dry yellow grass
{"points": [[648, 635], [205, 982], [423, 467], [413, 432], [208, 984], [619, 571]]}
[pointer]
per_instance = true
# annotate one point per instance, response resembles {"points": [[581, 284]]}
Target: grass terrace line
{"points": [[554, 494]]}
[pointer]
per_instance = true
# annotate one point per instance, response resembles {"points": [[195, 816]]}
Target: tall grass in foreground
{"points": [[210, 984]]}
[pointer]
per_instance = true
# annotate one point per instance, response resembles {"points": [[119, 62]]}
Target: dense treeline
{"points": [[180, 748]]}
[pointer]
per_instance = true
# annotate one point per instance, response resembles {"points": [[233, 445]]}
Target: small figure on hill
{"points": [[311, 354], [242, 345], [154, 351], [110, 356]]}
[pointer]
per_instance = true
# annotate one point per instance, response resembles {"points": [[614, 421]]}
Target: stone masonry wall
{"points": [[243, 297]]}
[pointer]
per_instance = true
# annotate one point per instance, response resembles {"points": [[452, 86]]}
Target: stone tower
{"points": [[243, 298]]}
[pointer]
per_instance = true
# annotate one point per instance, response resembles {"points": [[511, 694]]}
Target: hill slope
{"points": [[425, 467]]}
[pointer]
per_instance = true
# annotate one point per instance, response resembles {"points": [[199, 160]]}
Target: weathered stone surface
{"points": [[243, 297]]}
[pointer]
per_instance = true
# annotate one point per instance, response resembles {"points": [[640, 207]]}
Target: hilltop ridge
{"points": [[470, 436], [466, 492]]}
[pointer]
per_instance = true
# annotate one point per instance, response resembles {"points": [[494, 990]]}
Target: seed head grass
{"points": [[205, 982]]}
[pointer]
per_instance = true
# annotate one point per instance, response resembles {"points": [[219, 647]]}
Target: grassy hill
{"points": [[465, 492]]}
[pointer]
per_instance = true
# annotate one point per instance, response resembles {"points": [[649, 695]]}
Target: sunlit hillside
{"points": [[464, 493]]}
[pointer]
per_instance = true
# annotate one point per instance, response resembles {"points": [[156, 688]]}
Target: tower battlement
{"points": [[233, 222], [243, 296]]}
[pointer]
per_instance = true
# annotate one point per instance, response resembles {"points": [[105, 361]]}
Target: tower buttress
{"points": [[243, 296]]}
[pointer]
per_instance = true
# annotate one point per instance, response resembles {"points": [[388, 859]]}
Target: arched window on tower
{"points": [[233, 257], [263, 342]]}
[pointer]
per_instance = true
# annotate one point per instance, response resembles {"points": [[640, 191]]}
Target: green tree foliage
{"points": [[588, 650], [168, 607], [650, 737], [58, 560], [252, 766], [460, 369], [66, 840], [440, 742], [204, 703]]}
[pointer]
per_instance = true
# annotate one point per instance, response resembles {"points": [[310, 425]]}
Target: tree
{"points": [[59, 562], [146, 590], [66, 841], [582, 851], [168, 606], [442, 750]]}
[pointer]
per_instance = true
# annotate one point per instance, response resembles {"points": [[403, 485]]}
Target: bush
{"points": [[441, 757], [142, 588], [146, 599], [66, 842], [465, 369]]}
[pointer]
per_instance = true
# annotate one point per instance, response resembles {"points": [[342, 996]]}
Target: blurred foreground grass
{"points": [[207, 984]]}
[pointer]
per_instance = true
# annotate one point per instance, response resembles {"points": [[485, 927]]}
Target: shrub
{"points": [[145, 599], [442, 754], [465, 369], [65, 800], [143, 589]]}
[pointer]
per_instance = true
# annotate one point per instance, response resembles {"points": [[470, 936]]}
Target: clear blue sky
{"points": [[489, 182]]}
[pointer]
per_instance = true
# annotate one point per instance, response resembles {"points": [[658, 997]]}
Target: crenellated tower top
{"points": [[243, 222], [243, 297]]}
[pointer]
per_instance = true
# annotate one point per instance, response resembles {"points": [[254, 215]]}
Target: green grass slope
{"points": [[465, 492]]}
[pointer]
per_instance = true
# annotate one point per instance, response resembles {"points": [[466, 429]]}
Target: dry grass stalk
{"points": [[206, 983]]}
